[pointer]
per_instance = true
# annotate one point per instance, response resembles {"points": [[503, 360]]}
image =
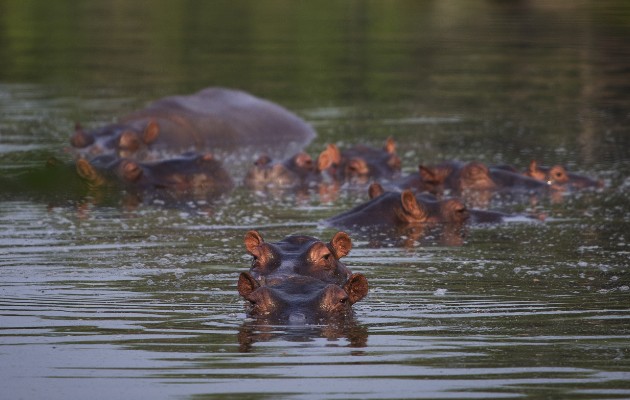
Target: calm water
{"points": [[101, 299]]}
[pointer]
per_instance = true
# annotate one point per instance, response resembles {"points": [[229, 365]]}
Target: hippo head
{"points": [[475, 176], [299, 255], [453, 211], [300, 278], [301, 298], [294, 171], [121, 139], [433, 177], [558, 176], [189, 173], [422, 208], [132, 140], [361, 162]]}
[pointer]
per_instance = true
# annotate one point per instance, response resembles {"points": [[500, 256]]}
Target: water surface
{"points": [[104, 298]]}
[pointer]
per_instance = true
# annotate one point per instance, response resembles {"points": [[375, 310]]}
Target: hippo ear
{"points": [[329, 157], [390, 145], [87, 172], [247, 284], [151, 132], [375, 190], [356, 287], [533, 166], [341, 244], [253, 240], [409, 202]]}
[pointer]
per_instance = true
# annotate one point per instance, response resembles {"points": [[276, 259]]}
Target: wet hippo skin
{"points": [[300, 278], [214, 119]]}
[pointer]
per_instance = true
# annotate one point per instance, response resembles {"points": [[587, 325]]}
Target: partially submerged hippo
{"points": [[458, 177], [215, 119], [300, 278], [392, 215], [297, 171], [558, 176], [389, 209], [361, 163], [190, 173]]}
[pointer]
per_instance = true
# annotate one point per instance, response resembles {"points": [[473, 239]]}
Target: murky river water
{"points": [[102, 299]]}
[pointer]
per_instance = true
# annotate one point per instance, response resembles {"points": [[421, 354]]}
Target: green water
{"points": [[101, 298]]}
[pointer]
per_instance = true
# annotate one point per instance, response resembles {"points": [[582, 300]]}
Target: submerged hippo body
{"points": [[188, 174], [300, 278], [215, 119]]}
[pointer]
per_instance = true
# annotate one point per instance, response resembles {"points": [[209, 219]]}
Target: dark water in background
{"points": [[103, 300]]}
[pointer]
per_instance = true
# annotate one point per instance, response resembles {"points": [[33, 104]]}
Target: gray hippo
{"points": [[222, 121]]}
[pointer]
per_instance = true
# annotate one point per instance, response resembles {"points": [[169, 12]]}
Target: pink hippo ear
{"points": [[390, 145], [253, 241], [329, 157], [151, 132], [86, 171], [341, 244], [409, 203], [247, 284], [375, 190], [356, 287]]}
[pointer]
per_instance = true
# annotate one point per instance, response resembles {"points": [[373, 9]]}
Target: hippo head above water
{"points": [[391, 209], [298, 170], [558, 176], [190, 172], [300, 278], [120, 139], [361, 163]]}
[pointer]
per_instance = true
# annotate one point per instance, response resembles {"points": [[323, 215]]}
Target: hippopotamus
{"points": [[300, 278], [458, 177], [390, 215], [558, 176], [190, 173], [361, 163], [389, 209], [218, 120], [296, 171]]}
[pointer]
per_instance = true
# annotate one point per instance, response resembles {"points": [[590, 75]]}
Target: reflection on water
{"points": [[348, 330], [110, 298]]}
